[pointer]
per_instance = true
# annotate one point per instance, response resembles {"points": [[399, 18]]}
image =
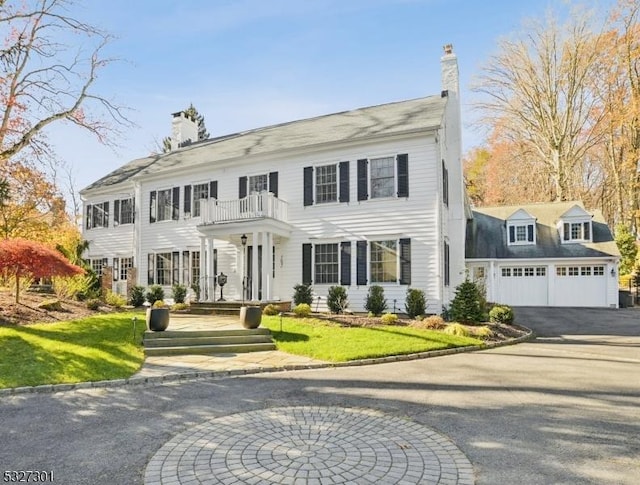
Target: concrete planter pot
{"points": [[250, 316], [157, 319]]}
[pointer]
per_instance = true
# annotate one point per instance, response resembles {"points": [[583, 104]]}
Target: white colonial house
{"points": [[357, 198], [554, 254]]}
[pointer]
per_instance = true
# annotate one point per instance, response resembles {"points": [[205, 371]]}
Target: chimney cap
{"points": [[182, 114], [448, 49]]}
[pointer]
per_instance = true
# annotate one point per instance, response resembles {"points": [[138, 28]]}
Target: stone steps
{"points": [[207, 342]]}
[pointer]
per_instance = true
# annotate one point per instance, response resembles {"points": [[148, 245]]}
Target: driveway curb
{"points": [[198, 375]]}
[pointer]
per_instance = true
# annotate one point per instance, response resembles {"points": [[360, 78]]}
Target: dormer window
{"points": [[576, 231], [575, 226], [521, 229]]}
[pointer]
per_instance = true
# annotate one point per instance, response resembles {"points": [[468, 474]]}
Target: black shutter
{"points": [[403, 175], [530, 232], [116, 269], [106, 214], [587, 232], [151, 259], [133, 209], [567, 231], [362, 179], [345, 263], [242, 187], [308, 186], [361, 263], [152, 208], [447, 273], [213, 189], [176, 203], [187, 199], [175, 266], [306, 264], [273, 183], [512, 234], [89, 218], [344, 181], [116, 212], [405, 261]]}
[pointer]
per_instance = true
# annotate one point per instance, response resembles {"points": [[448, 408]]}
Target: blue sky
{"points": [[250, 63]]}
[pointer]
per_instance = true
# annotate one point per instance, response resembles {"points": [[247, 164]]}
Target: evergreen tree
{"points": [[466, 305]]}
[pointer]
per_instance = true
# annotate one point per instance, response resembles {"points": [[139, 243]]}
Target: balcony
{"points": [[264, 205]]}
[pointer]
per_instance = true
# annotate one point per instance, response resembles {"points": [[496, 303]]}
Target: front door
{"points": [[251, 274]]}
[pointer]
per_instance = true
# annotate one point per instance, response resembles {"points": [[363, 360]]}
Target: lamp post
{"points": [[243, 240]]}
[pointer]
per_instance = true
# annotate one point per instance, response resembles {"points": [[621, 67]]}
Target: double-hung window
{"points": [[326, 184], [326, 263], [164, 204], [163, 269], [522, 233], [98, 265], [97, 215], [576, 231], [382, 177], [200, 195], [258, 183], [384, 261], [123, 211], [121, 268]]}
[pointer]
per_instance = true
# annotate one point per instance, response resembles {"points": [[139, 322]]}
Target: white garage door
{"points": [[584, 286], [523, 285]]}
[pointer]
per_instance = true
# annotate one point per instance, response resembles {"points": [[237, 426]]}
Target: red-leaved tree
{"points": [[21, 257]]}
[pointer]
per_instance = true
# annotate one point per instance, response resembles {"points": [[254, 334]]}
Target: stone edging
{"points": [[188, 376]]}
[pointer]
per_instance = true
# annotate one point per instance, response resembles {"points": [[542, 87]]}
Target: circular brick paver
{"points": [[309, 445]]}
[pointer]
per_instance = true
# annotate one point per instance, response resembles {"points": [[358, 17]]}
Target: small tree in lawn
{"points": [[21, 258], [466, 305]]}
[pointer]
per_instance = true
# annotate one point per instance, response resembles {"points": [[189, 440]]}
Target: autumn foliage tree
{"points": [[23, 258]]}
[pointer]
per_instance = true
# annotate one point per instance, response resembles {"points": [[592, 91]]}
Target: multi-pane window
{"points": [[125, 265], [200, 193], [573, 271], [561, 271], [163, 269], [529, 271], [541, 271], [585, 271], [98, 265], [517, 271], [521, 233], [97, 215], [258, 183], [577, 231], [382, 177], [326, 263], [506, 272], [598, 271], [195, 267], [384, 261], [326, 184], [123, 210], [479, 273], [164, 205]]}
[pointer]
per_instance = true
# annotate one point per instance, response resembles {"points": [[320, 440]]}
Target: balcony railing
{"points": [[254, 206]]}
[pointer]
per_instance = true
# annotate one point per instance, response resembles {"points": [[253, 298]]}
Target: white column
{"points": [[254, 265], [211, 275], [267, 259], [203, 268]]}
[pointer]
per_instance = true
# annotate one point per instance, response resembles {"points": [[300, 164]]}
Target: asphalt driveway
{"points": [[563, 409]]}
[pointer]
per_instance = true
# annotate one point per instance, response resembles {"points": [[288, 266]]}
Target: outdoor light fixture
{"points": [[243, 239], [613, 272]]}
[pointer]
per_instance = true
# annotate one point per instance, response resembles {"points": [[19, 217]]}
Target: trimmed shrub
{"points": [[501, 314], [136, 296], [93, 303], [51, 306], [177, 307], [302, 294], [179, 293], [432, 322], [302, 310], [389, 318], [416, 302], [337, 299], [154, 293], [115, 300], [158, 304], [271, 310], [457, 329], [196, 289], [467, 303], [376, 303]]}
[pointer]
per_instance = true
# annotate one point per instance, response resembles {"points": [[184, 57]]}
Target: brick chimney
{"points": [[184, 130]]}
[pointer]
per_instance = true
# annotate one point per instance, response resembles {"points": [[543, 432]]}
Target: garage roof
{"points": [[486, 236]]}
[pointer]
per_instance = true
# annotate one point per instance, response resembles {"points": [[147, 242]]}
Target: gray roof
{"points": [[387, 119], [487, 234]]}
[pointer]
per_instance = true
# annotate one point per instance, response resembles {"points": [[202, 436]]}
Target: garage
{"points": [[523, 285], [584, 285]]}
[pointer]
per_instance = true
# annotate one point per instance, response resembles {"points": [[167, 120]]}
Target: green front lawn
{"points": [[327, 341], [91, 349]]}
